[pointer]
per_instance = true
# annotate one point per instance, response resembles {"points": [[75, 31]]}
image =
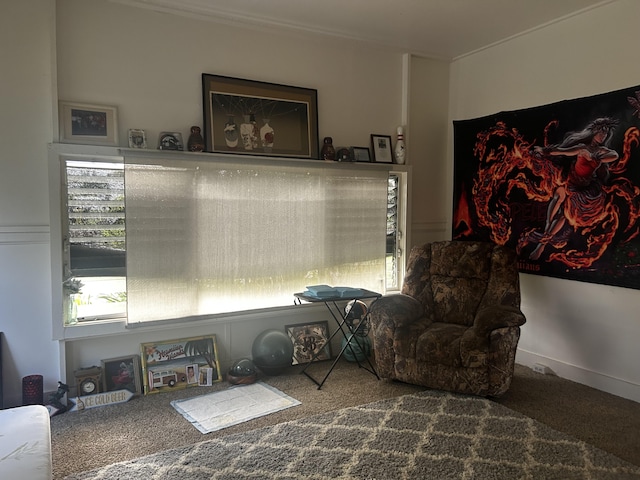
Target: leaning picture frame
{"points": [[381, 145], [167, 364], [258, 118], [121, 373], [361, 154], [309, 340], [88, 124]]}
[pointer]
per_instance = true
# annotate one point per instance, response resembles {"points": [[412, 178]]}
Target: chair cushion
{"points": [[440, 344]]}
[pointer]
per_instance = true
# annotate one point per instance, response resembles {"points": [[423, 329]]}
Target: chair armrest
{"points": [[498, 316], [475, 340], [395, 311]]}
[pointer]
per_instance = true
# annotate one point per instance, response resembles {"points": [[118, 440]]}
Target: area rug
{"points": [[427, 435], [237, 404]]}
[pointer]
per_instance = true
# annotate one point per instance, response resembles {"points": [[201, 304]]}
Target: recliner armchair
{"points": [[456, 324]]}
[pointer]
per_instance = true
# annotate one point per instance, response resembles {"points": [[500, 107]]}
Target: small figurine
{"points": [[195, 142], [55, 406]]}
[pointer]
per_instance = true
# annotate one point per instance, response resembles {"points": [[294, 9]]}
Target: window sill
{"points": [[102, 328]]}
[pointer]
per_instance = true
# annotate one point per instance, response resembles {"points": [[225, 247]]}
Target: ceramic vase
{"points": [[328, 152], [267, 136]]}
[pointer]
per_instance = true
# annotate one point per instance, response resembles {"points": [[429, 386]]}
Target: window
{"points": [[212, 234], [95, 242]]}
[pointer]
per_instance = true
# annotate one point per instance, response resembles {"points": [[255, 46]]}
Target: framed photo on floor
{"points": [[180, 363], [121, 373], [309, 339], [259, 118]]}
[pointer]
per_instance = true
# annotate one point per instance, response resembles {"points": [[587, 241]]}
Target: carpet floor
{"points": [[426, 435], [86, 440]]}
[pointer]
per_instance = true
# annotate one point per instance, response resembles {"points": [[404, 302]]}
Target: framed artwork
{"points": [[309, 339], [381, 148], [361, 154], [258, 118], [170, 141], [121, 373], [168, 364], [88, 124], [137, 138]]}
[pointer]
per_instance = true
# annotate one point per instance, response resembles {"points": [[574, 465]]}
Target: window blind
{"points": [[215, 236]]}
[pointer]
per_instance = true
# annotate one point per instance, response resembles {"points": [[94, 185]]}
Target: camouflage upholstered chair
{"points": [[456, 324]]}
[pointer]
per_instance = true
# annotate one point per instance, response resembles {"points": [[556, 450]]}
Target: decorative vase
{"points": [[255, 134], [328, 152], [400, 150], [361, 349], [195, 142], [231, 133], [70, 309], [267, 136], [249, 132]]}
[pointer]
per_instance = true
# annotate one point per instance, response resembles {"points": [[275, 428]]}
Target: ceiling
{"points": [[443, 29]]}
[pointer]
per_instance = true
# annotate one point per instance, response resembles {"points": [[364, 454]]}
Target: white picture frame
{"points": [[88, 124], [137, 138]]}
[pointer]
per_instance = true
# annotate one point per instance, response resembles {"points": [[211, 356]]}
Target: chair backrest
{"points": [[454, 279]]}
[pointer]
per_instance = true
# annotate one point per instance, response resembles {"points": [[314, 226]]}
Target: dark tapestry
{"points": [[559, 182]]}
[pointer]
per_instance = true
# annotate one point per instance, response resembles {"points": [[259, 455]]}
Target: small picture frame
{"points": [[309, 339], [192, 373], [382, 152], [122, 373], [137, 138], [170, 141], [88, 124], [361, 154], [205, 375]]}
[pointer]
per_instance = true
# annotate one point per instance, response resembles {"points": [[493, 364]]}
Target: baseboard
{"points": [[599, 381]]}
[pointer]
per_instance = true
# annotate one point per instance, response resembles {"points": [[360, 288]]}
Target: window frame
{"points": [[60, 152]]}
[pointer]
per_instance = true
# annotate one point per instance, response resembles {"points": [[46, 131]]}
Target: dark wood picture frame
{"points": [[258, 118], [309, 339], [382, 151], [122, 373]]}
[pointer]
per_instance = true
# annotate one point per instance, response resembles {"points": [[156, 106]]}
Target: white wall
{"points": [[25, 129], [583, 331]]}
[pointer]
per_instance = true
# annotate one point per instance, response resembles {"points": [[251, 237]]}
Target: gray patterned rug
{"points": [[427, 435]]}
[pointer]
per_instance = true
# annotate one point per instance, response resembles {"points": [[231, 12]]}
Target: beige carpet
{"points": [[424, 435], [93, 438]]}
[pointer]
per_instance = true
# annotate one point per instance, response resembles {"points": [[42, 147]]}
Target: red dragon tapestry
{"points": [[560, 183]]}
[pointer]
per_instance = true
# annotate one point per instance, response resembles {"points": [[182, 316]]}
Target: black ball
{"points": [[272, 351]]}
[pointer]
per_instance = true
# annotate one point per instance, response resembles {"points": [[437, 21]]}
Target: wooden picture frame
{"points": [[88, 124], [309, 339], [165, 363], [258, 118], [361, 154], [381, 145], [122, 373]]}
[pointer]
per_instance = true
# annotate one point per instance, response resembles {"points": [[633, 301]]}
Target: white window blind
{"points": [[214, 236]]}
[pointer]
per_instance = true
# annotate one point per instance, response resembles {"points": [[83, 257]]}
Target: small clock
{"points": [[88, 380]]}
